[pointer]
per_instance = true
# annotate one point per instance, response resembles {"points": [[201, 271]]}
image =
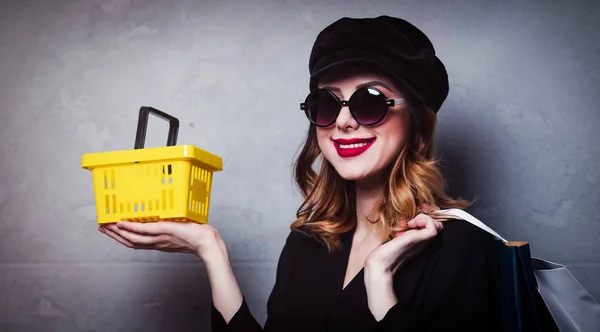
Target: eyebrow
{"points": [[362, 85]]}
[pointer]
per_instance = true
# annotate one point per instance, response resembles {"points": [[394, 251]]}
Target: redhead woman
{"points": [[367, 252]]}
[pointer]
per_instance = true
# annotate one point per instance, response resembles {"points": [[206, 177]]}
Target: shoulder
{"points": [[296, 241], [462, 240], [460, 253], [297, 237], [294, 250], [465, 232]]}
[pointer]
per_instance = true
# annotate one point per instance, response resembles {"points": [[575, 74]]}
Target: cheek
{"points": [[396, 132], [394, 137], [323, 139], [391, 149], [398, 138]]}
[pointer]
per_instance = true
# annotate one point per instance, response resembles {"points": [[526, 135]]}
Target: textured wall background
{"points": [[519, 132]]}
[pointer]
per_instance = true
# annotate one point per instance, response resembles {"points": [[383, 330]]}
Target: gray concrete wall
{"points": [[519, 132]]}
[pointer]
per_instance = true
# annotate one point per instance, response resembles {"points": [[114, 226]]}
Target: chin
{"points": [[355, 172], [352, 176]]}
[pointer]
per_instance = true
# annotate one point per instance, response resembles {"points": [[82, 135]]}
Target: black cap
{"points": [[390, 44]]}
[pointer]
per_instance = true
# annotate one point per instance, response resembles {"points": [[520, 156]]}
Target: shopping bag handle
{"points": [[472, 220], [140, 135]]}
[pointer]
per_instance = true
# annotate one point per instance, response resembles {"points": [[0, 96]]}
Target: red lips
{"points": [[352, 151]]}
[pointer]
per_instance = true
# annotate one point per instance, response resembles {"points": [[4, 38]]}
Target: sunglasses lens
{"points": [[368, 106], [321, 108]]}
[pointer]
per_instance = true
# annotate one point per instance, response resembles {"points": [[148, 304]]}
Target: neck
{"points": [[367, 195]]}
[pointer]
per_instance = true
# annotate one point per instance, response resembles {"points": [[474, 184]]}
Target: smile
{"points": [[352, 147]]}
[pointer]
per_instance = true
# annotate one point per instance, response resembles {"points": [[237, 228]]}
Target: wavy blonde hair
{"points": [[329, 207]]}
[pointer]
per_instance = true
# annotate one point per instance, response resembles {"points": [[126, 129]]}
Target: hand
{"points": [[388, 257], [382, 262], [169, 236]]}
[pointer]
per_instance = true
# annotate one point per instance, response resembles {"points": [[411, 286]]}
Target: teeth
{"points": [[353, 146]]}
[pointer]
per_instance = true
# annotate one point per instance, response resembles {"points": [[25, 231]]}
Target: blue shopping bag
{"points": [[536, 295], [522, 307]]}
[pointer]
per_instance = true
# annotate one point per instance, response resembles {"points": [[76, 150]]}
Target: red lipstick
{"points": [[358, 146]]}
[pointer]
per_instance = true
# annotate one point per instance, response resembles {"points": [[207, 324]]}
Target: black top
{"points": [[449, 286]]}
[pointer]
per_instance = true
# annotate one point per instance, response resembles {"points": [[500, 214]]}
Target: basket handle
{"points": [[140, 135]]}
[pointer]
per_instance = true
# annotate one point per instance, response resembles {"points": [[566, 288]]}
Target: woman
{"points": [[365, 253]]}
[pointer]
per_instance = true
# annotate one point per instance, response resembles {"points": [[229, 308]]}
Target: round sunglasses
{"points": [[367, 105]]}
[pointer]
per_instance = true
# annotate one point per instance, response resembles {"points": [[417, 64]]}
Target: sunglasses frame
{"points": [[390, 102]]}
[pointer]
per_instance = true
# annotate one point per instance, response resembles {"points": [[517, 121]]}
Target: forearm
{"points": [[380, 291], [226, 293]]}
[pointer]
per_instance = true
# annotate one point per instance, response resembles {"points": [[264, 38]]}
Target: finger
{"points": [[407, 238], [438, 225], [150, 228], [426, 207], [429, 208], [115, 236], [135, 238], [420, 221], [426, 225], [434, 226]]}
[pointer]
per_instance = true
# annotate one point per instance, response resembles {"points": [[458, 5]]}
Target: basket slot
{"points": [[110, 204], [109, 179], [167, 177], [171, 199], [208, 182], [168, 199]]}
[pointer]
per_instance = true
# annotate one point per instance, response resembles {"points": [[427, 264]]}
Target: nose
{"points": [[345, 120]]}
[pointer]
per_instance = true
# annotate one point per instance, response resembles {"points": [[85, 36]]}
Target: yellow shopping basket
{"points": [[165, 183]]}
